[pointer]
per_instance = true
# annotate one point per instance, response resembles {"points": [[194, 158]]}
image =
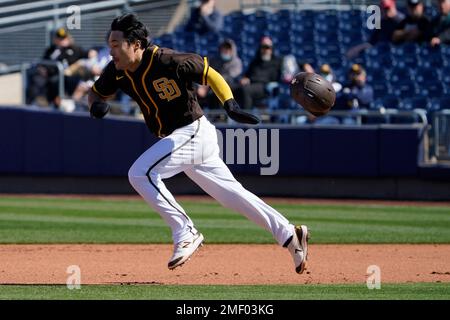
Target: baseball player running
{"points": [[161, 81]]}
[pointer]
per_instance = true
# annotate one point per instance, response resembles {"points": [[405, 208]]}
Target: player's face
{"points": [[444, 6], [122, 52]]}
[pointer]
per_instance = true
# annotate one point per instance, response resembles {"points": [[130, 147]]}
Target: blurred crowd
{"points": [[265, 82], [80, 69]]}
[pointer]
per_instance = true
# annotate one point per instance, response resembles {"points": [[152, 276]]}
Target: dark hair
{"points": [[132, 29], [226, 44]]}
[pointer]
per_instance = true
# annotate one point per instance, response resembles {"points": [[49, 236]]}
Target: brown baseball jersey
{"points": [[162, 85]]}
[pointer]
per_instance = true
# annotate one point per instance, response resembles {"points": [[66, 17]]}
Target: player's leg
{"points": [[165, 159], [214, 177]]}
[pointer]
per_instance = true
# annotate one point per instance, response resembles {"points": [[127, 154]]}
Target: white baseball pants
{"points": [[194, 150]]}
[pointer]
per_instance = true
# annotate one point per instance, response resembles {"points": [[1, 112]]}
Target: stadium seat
{"points": [[427, 50], [407, 61], [361, 59], [404, 89], [330, 49], [282, 48], [251, 40], [445, 51], [349, 15], [426, 74], [431, 61], [376, 57], [284, 14], [432, 89], [404, 119], [434, 106], [324, 39], [341, 74], [349, 26], [376, 75], [335, 61], [431, 12], [407, 49], [304, 26], [304, 15], [303, 38], [252, 30], [417, 102], [383, 48], [381, 89], [388, 101], [444, 102], [259, 16], [379, 61], [397, 74], [306, 50], [446, 76], [350, 39], [181, 38], [322, 17]]}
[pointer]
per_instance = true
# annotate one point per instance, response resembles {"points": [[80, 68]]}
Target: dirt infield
{"points": [[222, 264]]}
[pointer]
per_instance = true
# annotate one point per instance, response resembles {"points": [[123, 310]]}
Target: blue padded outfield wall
{"points": [[56, 144]]}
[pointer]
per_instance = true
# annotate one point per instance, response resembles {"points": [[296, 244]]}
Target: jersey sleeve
{"points": [[106, 84], [193, 67]]}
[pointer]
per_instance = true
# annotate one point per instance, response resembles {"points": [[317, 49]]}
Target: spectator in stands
{"points": [[415, 27], [88, 70], [205, 18], [262, 75], [289, 68], [64, 49], [326, 72], [440, 26], [45, 78], [306, 67], [229, 65], [357, 93], [280, 98], [390, 20]]}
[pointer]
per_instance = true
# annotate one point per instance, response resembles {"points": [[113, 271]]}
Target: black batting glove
{"points": [[234, 112], [99, 109]]}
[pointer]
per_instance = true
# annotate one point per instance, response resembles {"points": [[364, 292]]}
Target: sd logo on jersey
{"points": [[168, 89]]}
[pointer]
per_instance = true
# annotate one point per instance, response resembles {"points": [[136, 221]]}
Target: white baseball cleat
{"points": [[184, 250], [298, 247]]}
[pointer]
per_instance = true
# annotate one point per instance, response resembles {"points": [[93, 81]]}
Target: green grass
{"points": [[81, 220], [78, 220], [417, 291]]}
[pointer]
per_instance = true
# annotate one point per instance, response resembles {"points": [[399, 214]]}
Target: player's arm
{"points": [[193, 67], [98, 107], [103, 89], [223, 92]]}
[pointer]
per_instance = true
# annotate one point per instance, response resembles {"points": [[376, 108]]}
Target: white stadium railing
{"points": [[441, 128]]}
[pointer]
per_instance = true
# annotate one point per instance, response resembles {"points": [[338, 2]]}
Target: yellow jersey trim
{"points": [[205, 71], [135, 90], [219, 86], [96, 91], [148, 94]]}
